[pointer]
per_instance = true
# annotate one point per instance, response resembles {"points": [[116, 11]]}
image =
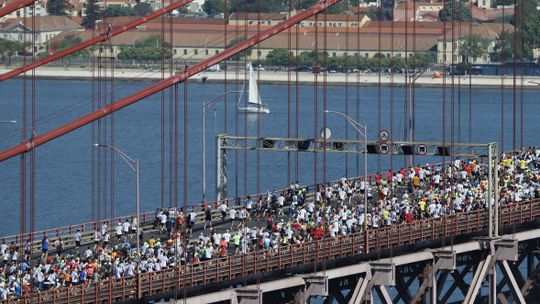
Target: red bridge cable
{"points": [[9, 8], [177, 78], [93, 41]]}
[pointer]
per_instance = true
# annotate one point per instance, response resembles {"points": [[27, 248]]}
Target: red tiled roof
{"points": [[490, 14], [44, 23]]}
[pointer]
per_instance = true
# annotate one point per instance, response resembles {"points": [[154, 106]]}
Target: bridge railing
{"points": [[191, 275]]}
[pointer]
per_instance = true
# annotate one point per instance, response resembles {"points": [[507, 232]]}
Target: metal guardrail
{"points": [[191, 275]]}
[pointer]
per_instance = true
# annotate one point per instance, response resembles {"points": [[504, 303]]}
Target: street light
{"points": [[362, 130], [410, 124], [134, 165], [8, 121], [207, 106]]}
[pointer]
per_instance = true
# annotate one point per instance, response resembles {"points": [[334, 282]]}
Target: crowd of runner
{"points": [[292, 216]]}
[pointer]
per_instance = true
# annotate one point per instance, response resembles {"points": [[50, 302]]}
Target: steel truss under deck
{"points": [[464, 273]]}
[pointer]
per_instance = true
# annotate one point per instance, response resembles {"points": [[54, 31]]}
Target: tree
{"points": [[503, 50], [93, 13], [9, 48], [461, 11], [240, 55], [57, 7], [117, 10], [67, 42], [262, 6], [472, 47], [142, 9], [148, 49], [302, 4], [422, 60], [278, 57], [213, 7]]}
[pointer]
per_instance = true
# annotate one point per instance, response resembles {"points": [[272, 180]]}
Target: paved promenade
{"points": [[281, 77]]}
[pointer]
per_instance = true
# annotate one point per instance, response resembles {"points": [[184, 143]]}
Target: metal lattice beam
{"points": [[317, 145]]}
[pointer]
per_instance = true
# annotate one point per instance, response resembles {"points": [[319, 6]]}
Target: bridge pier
{"points": [[317, 286], [247, 296], [500, 252], [377, 276]]}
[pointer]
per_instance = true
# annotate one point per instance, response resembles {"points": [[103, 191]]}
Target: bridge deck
{"points": [[285, 257]]}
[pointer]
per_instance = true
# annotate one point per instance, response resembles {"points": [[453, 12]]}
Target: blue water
{"points": [[63, 166]]}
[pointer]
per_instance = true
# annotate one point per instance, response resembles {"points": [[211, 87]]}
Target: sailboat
{"points": [[254, 103]]}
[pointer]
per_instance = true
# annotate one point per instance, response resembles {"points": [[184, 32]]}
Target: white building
{"points": [[46, 27]]}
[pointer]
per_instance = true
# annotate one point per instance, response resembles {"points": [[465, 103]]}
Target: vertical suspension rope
{"points": [[112, 131], [406, 83], [162, 93], [357, 87], [391, 89], [93, 138], [33, 131], [237, 98], [258, 162], [185, 143], [289, 66], [443, 120], [413, 86], [225, 86], [452, 76], [297, 92], [174, 91], [522, 43], [503, 75], [99, 137], [379, 74], [514, 79], [171, 145], [469, 42], [460, 67], [325, 85], [315, 94], [346, 64], [23, 161], [245, 97], [107, 152]]}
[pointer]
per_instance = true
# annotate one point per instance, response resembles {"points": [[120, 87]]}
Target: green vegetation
{"points": [[459, 12], [57, 7], [8, 48], [67, 42], [306, 60], [504, 50], [215, 7], [148, 49], [93, 13], [473, 47]]}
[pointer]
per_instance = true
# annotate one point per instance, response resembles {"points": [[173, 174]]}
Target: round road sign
{"points": [[326, 133], [421, 149], [384, 148], [384, 135]]}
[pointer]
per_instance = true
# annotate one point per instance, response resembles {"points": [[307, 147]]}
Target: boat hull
{"points": [[254, 110]]}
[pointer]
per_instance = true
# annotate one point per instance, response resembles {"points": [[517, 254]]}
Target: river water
{"points": [[63, 166]]}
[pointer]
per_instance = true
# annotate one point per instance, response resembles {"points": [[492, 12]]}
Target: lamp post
{"points": [[134, 165], [362, 130], [410, 124], [207, 106]]}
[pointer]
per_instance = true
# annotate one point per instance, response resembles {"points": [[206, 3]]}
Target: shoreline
{"points": [[280, 77]]}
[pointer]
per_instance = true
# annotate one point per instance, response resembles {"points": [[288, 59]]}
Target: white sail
{"points": [[254, 102], [254, 96]]}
